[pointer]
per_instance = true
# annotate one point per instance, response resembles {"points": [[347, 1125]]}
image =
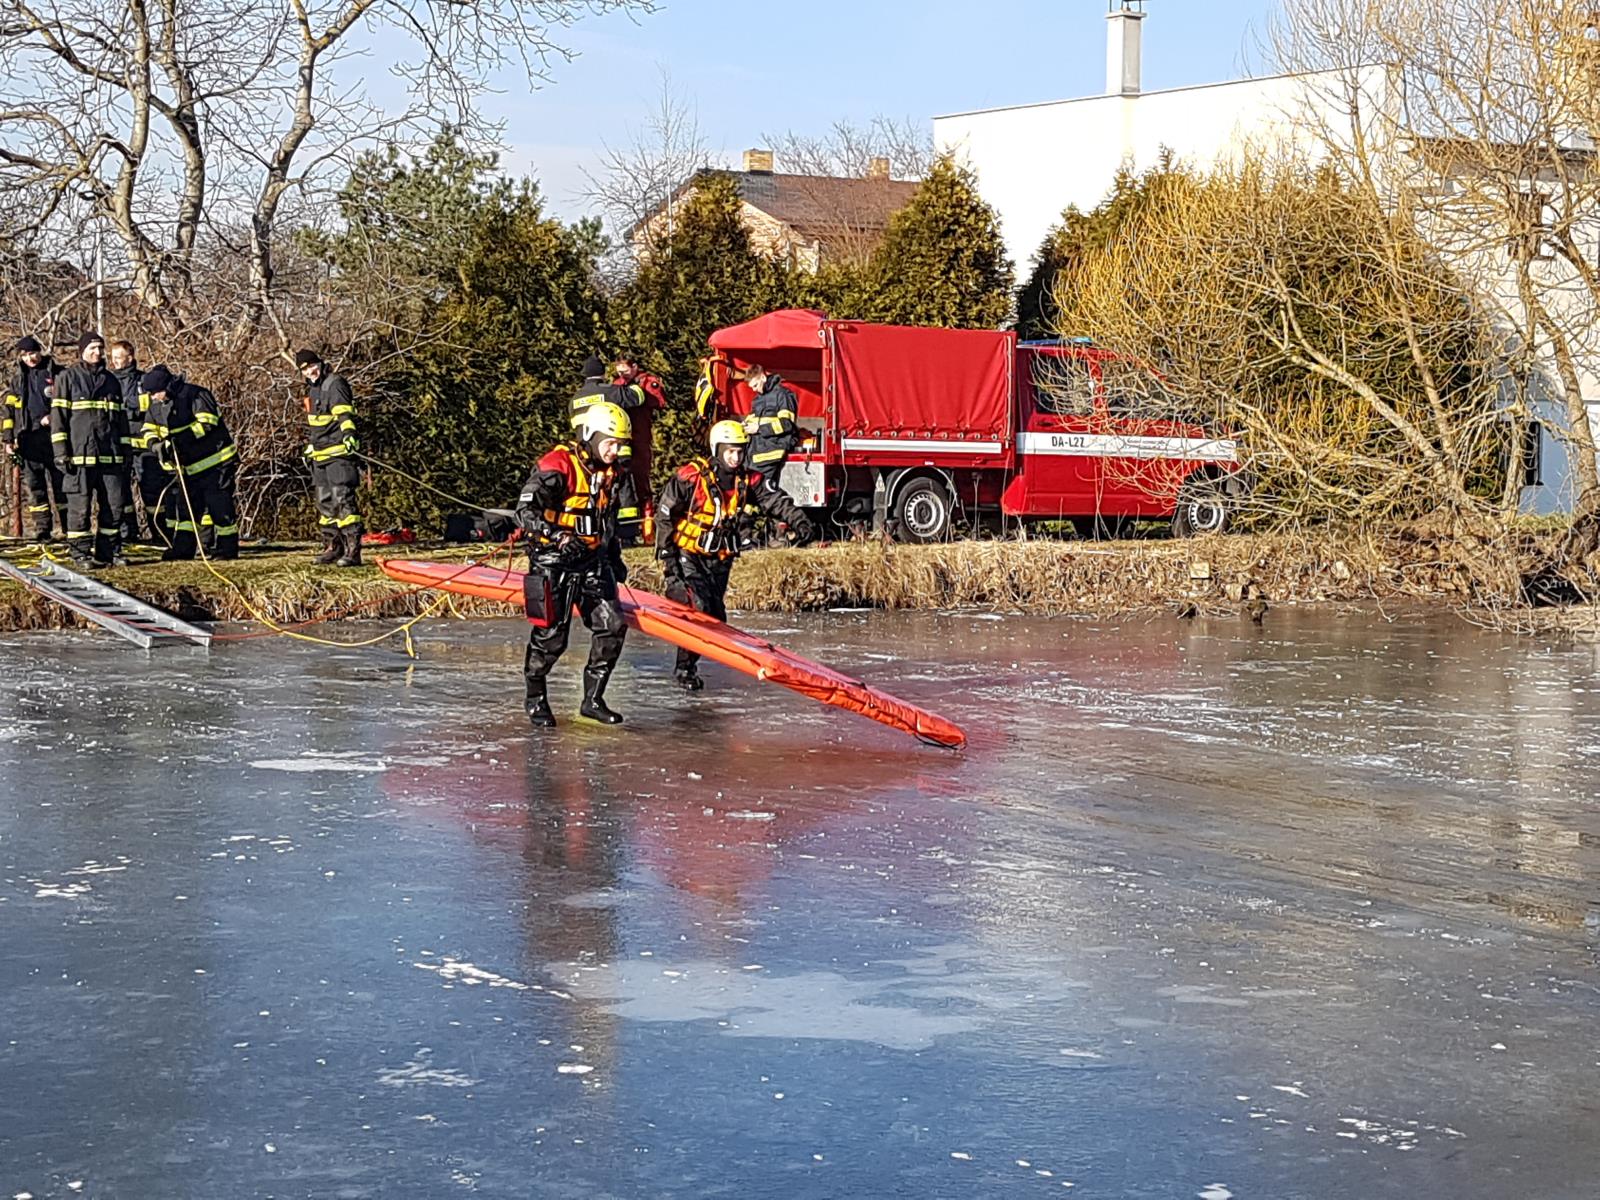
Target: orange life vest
{"points": [[709, 528], [590, 502]]}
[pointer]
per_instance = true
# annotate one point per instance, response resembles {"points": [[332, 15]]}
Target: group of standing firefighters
{"points": [[90, 435], [87, 436]]}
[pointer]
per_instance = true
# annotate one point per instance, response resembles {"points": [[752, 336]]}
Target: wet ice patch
{"points": [[1215, 1191]]}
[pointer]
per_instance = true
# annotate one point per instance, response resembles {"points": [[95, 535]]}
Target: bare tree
{"points": [[178, 124], [635, 182], [1476, 124], [881, 159]]}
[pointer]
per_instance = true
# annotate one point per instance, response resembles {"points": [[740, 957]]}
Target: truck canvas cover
{"points": [[940, 393]]}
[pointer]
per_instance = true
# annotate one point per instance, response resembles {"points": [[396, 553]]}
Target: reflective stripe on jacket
{"points": [[190, 419], [88, 424]]}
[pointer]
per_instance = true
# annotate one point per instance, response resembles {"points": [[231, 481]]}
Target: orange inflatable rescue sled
{"points": [[683, 626]]}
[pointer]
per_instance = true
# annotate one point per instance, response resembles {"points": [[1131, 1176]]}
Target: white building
{"points": [[1033, 160]]}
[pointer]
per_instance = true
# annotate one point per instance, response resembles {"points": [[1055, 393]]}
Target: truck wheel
{"points": [[1202, 508], [922, 512]]}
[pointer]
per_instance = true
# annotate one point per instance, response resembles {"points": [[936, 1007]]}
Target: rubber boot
{"points": [[538, 705], [688, 678], [82, 559], [108, 549], [331, 548], [594, 686], [350, 554]]}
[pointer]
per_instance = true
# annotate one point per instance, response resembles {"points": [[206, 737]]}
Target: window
{"points": [[1532, 217], [1532, 454], [1063, 386], [1133, 391]]}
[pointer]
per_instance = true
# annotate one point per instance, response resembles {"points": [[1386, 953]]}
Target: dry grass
{"points": [[1217, 574]]}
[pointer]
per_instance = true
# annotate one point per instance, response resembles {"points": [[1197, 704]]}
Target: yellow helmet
{"points": [[728, 433], [607, 420]]}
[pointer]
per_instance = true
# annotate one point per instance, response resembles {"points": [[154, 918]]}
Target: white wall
{"points": [[1034, 160]]}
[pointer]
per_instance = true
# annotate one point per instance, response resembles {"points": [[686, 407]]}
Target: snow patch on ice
{"points": [[471, 975], [419, 1073]]}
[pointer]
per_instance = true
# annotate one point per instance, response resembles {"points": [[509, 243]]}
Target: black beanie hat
{"points": [[593, 368], [29, 345], [156, 379], [305, 358], [89, 338]]}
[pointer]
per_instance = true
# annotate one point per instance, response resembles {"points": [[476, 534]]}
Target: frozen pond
{"points": [[1205, 910]]}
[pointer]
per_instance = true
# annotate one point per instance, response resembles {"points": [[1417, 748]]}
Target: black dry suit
{"points": [[568, 510], [197, 444], [697, 534]]}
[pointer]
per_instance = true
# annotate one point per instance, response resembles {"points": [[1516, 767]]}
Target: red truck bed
{"points": [[917, 395]]}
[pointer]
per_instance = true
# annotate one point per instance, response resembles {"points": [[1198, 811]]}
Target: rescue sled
{"points": [[683, 626]]}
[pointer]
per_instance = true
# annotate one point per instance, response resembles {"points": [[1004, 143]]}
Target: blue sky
{"points": [[755, 68]]}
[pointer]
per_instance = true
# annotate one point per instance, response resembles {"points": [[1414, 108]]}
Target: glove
{"points": [[619, 569], [802, 531], [307, 452], [352, 444], [570, 552], [751, 422], [66, 466]]}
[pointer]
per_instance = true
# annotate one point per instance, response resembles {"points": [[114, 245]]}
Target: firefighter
{"points": [[629, 374], [145, 476], [569, 509], [697, 528], [771, 426], [90, 441], [330, 412], [25, 429], [187, 435], [629, 397]]}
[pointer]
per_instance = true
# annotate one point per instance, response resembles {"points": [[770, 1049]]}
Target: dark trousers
{"points": [[701, 582], [594, 593], [335, 483], [206, 495], [43, 480], [96, 499], [152, 484]]}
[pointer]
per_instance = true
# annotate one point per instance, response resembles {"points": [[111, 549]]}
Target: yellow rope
{"points": [[403, 630]]}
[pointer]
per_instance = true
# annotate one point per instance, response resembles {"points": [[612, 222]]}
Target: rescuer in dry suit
{"points": [[90, 441], [184, 430], [25, 428], [331, 416], [697, 528], [569, 510]]}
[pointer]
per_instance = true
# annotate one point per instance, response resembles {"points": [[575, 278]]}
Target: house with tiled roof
{"points": [[805, 220]]}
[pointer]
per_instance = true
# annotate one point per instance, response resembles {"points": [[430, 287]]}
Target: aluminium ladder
{"points": [[142, 624]]}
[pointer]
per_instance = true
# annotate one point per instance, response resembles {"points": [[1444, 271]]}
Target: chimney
{"points": [[1122, 47], [878, 168], [758, 162]]}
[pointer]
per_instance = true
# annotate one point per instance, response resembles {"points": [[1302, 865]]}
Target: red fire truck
{"points": [[917, 430]]}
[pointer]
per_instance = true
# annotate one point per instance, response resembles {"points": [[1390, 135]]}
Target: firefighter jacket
{"points": [[774, 435], [133, 399], [331, 415], [88, 424], [698, 511], [626, 396], [571, 502], [27, 400], [191, 421]]}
